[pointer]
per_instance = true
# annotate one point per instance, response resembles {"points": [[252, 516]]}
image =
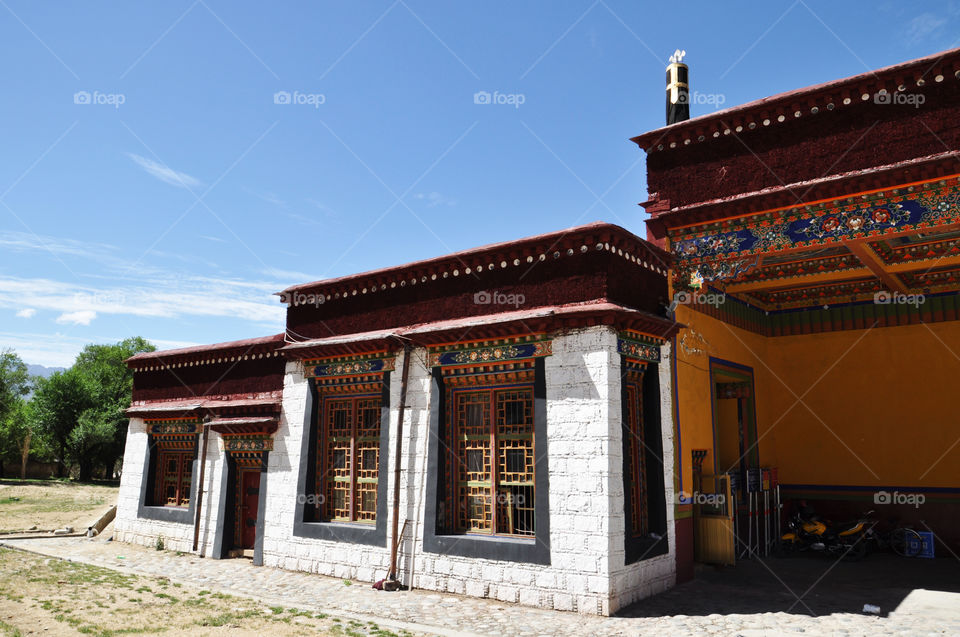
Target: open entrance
{"points": [[716, 491], [734, 418]]}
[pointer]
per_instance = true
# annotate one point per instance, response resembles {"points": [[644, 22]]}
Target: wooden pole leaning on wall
{"points": [[395, 544], [203, 464]]}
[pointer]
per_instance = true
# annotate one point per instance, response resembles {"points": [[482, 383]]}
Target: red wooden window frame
{"points": [[348, 458], [490, 493], [174, 471]]}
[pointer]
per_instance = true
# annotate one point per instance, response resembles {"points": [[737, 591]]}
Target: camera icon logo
{"points": [[882, 497], [81, 97], [482, 97], [882, 298], [281, 97], [483, 298], [882, 98], [684, 298]]}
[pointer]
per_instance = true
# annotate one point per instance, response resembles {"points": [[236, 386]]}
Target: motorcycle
{"points": [[807, 532]]}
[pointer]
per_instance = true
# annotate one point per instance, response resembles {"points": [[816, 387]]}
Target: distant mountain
{"points": [[40, 370]]}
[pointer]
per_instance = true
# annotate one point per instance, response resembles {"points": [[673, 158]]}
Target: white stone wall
{"points": [[176, 537], [586, 572]]}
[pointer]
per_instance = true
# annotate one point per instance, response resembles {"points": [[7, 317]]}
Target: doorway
{"points": [[716, 494], [248, 506], [244, 502], [734, 418]]}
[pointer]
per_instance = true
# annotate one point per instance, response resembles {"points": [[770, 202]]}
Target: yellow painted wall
{"points": [[882, 406], [858, 407]]}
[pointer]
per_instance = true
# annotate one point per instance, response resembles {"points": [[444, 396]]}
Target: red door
{"points": [[250, 502]]}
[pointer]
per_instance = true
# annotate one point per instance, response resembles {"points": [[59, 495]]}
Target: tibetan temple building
{"points": [[572, 420]]}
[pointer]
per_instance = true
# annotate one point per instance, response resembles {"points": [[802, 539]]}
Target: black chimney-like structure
{"points": [[678, 89]]}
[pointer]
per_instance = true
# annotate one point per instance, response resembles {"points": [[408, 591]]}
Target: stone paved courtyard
{"points": [[752, 600]]}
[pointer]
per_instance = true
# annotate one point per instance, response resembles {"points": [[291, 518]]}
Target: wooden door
{"points": [[249, 507], [714, 538]]}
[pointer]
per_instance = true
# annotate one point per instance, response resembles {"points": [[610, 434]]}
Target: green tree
{"points": [[100, 435], [16, 433], [59, 401], [14, 385]]}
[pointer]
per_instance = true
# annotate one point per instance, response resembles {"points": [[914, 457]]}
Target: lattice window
{"points": [[492, 456], [348, 458], [636, 467], [173, 476]]}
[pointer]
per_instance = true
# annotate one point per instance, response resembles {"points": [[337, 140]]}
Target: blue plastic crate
{"points": [[925, 546]]}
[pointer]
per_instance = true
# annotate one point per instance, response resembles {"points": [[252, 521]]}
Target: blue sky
{"points": [[167, 166]]}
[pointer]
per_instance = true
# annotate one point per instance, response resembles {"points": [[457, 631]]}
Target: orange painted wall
{"points": [[859, 407], [880, 407]]}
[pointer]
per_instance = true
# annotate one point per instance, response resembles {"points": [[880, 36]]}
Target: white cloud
{"points": [[435, 199], [165, 173], [80, 317], [164, 295], [27, 312], [293, 276], [25, 241], [924, 26], [269, 197]]}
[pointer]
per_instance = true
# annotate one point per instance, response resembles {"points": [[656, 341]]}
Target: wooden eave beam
{"points": [[923, 264], [801, 280], [863, 251]]}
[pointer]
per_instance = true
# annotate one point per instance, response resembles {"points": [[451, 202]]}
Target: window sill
{"points": [[492, 547], [351, 532], [178, 515]]}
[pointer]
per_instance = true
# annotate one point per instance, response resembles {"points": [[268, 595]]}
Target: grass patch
{"points": [[97, 601], [9, 631]]}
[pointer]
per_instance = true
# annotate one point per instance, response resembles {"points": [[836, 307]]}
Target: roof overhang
{"points": [[489, 326]]}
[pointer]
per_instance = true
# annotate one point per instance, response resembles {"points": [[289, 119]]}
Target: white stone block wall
{"points": [[586, 572], [176, 537]]}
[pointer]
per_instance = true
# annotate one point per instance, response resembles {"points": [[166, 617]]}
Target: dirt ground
{"points": [[40, 595], [52, 504]]}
